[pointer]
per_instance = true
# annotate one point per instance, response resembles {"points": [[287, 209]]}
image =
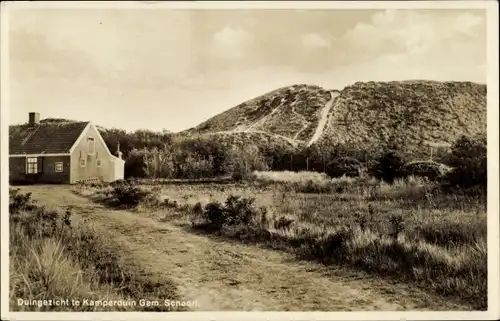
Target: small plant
{"points": [[283, 223], [263, 216], [397, 224], [66, 219], [198, 209], [362, 220]]}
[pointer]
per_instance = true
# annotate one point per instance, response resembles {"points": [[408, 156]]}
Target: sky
{"points": [[172, 69]]}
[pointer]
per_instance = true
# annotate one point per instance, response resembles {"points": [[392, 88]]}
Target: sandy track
{"points": [[223, 275], [323, 119]]}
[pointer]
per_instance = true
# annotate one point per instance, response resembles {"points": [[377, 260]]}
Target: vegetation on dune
{"points": [[285, 111], [413, 114]]}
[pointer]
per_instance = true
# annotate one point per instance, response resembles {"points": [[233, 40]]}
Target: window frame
{"points": [[91, 142], [98, 162], [31, 166], [83, 162], [56, 164]]}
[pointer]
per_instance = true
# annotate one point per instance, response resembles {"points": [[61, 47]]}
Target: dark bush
{"points": [[240, 210], [215, 215], [19, 202], [235, 211], [468, 159], [343, 166], [135, 165], [127, 194], [388, 166], [283, 223]]}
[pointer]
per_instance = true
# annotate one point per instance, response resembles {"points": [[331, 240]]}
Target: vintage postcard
{"points": [[249, 160]]}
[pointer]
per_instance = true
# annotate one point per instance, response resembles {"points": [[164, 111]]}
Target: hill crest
{"points": [[412, 113]]}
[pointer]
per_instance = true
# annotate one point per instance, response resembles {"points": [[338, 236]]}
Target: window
{"points": [[91, 143], [98, 163], [32, 165], [59, 167], [83, 162]]}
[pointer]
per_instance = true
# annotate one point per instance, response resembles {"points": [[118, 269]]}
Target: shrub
{"points": [[235, 211], [240, 210], [19, 202], [125, 193], [283, 223], [388, 166], [198, 209], [469, 161], [135, 165], [344, 166], [215, 215], [429, 169]]}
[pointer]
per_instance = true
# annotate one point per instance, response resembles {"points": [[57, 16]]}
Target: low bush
{"points": [[236, 210], [127, 194], [428, 169], [19, 201]]}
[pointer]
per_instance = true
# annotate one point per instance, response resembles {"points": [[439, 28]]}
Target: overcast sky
{"points": [[164, 69]]}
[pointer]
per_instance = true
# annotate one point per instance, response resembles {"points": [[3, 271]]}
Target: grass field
{"points": [[408, 231], [55, 258]]}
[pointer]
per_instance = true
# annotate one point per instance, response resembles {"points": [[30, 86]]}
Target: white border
{"points": [[493, 160]]}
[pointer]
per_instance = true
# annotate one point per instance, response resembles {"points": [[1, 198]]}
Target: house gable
{"points": [[90, 157], [95, 133]]}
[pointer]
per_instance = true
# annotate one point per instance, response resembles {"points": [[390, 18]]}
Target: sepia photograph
{"points": [[258, 156]]}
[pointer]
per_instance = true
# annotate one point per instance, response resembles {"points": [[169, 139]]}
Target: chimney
{"points": [[118, 153], [34, 119]]}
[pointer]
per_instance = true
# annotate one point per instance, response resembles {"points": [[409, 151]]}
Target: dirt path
{"points": [[222, 275], [323, 119]]}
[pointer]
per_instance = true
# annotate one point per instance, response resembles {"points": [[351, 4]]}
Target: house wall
{"points": [[47, 171], [90, 170], [119, 169]]}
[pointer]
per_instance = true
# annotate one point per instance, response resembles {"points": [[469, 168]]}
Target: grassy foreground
{"points": [[57, 265], [408, 231]]}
